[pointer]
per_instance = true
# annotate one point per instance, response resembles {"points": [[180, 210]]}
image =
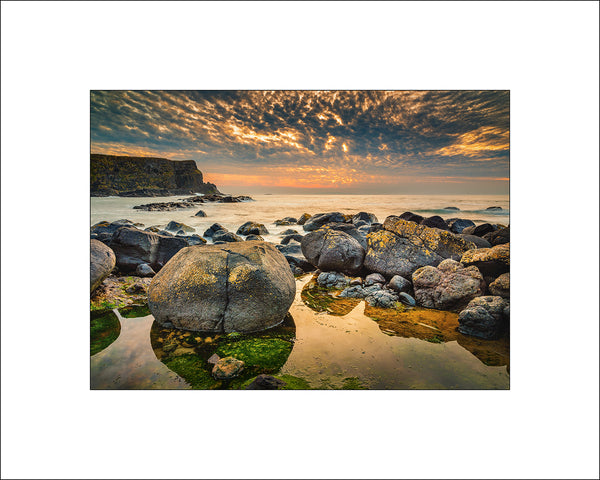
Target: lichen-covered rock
{"points": [[403, 246], [227, 368], [252, 228], [450, 286], [501, 286], [485, 317], [303, 218], [333, 250], [102, 262], [491, 262], [399, 284], [320, 219], [174, 226], [237, 287]]}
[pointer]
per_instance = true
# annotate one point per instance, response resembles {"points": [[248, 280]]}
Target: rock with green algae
{"points": [[105, 328], [239, 287], [226, 368]]}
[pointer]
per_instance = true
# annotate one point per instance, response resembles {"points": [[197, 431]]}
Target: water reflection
{"points": [[130, 363], [330, 349]]}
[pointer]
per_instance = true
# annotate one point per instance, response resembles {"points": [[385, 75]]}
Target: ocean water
{"points": [[267, 209]]}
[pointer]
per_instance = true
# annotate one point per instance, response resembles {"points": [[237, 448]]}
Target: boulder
{"points": [[411, 217], [133, 247], [457, 225], [449, 286], [303, 218], [289, 231], [498, 237], [200, 213], [266, 382], [491, 262], [403, 246], [238, 287], [366, 217], [435, 222], [215, 227], [479, 230], [351, 230], [399, 284], [102, 262], [501, 286], [485, 317], [478, 241], [333, 250], [144, 270], [252, 228], [317, 221], [221, 236], [227, 368], [173, 226]]}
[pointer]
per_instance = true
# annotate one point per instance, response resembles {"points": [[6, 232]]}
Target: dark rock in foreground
{"points": [[102, 262], [485, 317], [266, 382], [238, 287]]}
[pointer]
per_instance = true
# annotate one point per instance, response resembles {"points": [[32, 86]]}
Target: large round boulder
{"points": [[447, 287], [333, 250], [102, 261], [238, 287]]}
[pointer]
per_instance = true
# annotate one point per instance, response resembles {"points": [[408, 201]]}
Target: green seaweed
{"points": [[268, 353], [193, 369], [105, 328], [135, 311]]}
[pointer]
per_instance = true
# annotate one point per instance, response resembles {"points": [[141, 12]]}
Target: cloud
{"points": [[439, 134]]}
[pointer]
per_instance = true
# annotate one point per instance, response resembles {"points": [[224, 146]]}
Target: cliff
{"points": [[144, 177]]}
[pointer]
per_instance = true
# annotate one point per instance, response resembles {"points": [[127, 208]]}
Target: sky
{"points": [[346, 142]]}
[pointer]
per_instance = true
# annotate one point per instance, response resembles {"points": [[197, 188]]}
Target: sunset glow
{"points": [[329, 141]]}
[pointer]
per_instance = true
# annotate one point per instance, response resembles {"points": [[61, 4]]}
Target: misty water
{"points": [[329, 349]]}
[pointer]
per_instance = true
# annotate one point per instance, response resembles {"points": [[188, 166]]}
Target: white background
{"points": [[546, 426]]}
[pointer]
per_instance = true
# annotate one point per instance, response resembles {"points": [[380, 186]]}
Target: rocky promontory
{"points": [[145, 177]]}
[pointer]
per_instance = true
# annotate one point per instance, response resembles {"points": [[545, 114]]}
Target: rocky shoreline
{"points": [[226, 282]]}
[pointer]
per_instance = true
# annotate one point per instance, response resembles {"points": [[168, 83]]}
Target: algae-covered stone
{"points": [[242, 286], [102, 262], [227, 368]]}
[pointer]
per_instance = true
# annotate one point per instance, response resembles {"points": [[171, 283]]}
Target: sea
{"points": [[266, 209]]}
